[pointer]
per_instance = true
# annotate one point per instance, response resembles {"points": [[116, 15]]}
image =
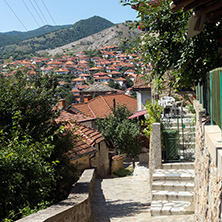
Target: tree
{"points": [[114, 85], [128, 139], [165, 43], [129, 82], [92, 53], [34, 166], [121, 132]]}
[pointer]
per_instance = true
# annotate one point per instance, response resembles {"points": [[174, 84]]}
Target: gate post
{"points": [[155, 153], [155, 148]]}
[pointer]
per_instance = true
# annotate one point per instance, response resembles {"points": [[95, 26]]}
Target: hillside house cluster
{"points": [[79, 71]]}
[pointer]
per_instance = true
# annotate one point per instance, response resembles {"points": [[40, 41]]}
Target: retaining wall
{"points": [[76, 208], [208, 169]]}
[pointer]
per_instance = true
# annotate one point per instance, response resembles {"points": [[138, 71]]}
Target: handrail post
{"points": [[211, 100]]}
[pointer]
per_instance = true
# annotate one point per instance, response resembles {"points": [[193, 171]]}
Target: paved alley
{"points": [[127, 199]]}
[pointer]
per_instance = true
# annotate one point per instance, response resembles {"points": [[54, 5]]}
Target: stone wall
{"points": [[208, 186], [117, 163], [76, 208]]}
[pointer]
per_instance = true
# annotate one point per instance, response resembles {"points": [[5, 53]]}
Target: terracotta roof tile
{"points": [[85, 141], [73, 114], [84, 108], [101, 106], [120, 79]]}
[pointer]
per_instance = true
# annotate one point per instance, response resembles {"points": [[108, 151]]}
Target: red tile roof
{"points": [[101, 106], [71, 114], [121, 79], [78, 80], [81, 87], [85, 141], [75, 90]]}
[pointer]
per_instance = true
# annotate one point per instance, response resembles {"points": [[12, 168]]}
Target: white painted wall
{"points": [[142, 98]]}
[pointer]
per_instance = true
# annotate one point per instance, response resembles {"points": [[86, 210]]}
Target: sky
{"points": [[26, 15]]}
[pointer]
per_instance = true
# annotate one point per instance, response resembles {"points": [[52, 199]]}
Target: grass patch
{"points": [[124, 172]]}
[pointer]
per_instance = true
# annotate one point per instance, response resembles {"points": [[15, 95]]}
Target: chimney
{"points": [[62, 103], [87, 98]]}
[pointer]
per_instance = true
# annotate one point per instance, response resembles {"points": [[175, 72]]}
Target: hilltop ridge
{"points": [[57, 38]]}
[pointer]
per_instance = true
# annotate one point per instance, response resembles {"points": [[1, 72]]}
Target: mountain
{"points": [[54, 39], [13, 37], [111, 36]]}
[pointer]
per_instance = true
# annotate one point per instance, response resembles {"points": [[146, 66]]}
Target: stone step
{"points": [[173, 175], [172, 195], [187, 121], [171, 208], [179, 125], [186, 145], [180, 165], [186, 129], [173, 186]]}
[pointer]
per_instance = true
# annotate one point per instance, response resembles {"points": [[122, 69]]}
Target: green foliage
{"points": [[125, 45], [166, 46], [153, 116], [114, 85], [66, 94], [190, 108], [92, 53], [123, 172], [128, 138], [129, 82], [121, 132], [34, 167]]}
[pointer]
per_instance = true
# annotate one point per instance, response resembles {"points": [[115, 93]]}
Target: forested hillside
{"points": [[13, 37], [54, 39]]}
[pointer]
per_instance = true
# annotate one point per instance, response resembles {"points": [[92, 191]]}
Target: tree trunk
{"points": [[133, 160]]}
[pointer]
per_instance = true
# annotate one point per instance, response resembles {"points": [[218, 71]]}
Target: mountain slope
{"points": [[54, 39], [111, 36], [13, 37]]}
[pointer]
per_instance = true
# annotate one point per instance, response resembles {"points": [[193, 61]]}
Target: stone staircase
{"points": [[173, 189]]}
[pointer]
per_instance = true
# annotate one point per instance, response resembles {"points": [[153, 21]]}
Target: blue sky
{"points": [[15, 14]]}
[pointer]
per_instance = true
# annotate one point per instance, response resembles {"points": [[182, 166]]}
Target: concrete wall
{"points": [[101, 159], [208, 169], [82, 163], [142, 97], [76, 208], [90, 123]]}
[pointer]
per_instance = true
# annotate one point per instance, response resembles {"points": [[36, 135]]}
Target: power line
{"points": [[16, 16], [36, 12], [49, 12], [41, 12], [31, 13]]}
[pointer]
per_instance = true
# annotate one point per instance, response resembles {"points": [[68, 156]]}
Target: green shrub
{"points": [[124, 172]]}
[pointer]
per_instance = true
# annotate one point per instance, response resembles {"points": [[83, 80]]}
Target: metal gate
{"points": [[178, 138]]}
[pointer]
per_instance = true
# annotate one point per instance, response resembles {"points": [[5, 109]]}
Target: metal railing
{"points": [[209, 94]]}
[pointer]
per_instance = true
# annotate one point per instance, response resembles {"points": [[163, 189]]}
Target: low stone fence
{"points": [[208, 169], [76, 208]]}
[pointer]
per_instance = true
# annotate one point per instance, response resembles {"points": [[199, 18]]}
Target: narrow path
{"points": [[127, 199]]}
